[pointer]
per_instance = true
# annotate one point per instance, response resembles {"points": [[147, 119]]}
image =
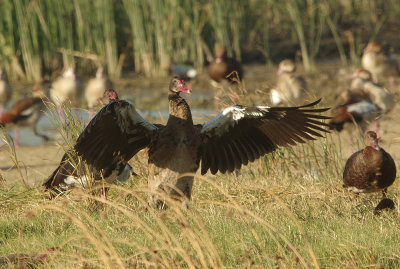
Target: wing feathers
{"points": [[117, 131], [242, 134]]}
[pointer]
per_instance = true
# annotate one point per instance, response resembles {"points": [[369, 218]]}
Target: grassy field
{"points": [[286, 210]]}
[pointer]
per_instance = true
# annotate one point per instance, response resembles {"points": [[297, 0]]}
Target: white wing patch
{"points": [[275, 97], [362, 107], [230, 116], [27, 112], [72, 181], [192, 73]]}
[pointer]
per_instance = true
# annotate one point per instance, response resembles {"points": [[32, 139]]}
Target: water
{"points": [[45, 125]]}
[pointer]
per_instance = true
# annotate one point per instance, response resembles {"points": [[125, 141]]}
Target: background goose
{"points": [[95, 89], [365, 102], [65, 89], [223, 68], [290, 88], [26, 113], [381, 62], [5, 91], [235, 137]]}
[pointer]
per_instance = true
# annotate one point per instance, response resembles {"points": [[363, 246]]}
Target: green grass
{"points": [[286, 210]]}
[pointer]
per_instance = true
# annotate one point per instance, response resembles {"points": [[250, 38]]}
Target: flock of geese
{"points": [[236, 136]]}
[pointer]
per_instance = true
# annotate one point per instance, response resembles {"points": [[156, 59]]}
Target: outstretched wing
{"points": [[117, 131], [242, 134]]}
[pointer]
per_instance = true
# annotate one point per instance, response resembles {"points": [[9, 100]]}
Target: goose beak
{"points": [[354, 75], [183, 88]]}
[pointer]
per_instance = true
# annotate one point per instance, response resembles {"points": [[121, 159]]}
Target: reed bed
{"points": [[38, 38]]}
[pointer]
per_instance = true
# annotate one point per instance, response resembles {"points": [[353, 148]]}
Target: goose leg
{"points": [[61, 114], [91, 112], [384, 192], [44, 137]]}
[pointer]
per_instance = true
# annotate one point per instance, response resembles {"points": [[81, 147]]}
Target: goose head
{"points": [[178, 85], [286, 66], [69, 73], [111, 95], [370, 139], [372, 47]]}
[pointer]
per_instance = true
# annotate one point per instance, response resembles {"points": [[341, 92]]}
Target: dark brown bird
{"points": [[235, 137], [361, 113], [222, 66], [26, 113], [384, 204], [73, 173], [371, 169]]}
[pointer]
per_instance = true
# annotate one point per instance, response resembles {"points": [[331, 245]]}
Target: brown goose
{"points": [[26, 113], [71, 173], [365, 102], [362, 113], [235, 137], [371, 169], [222, 66]]}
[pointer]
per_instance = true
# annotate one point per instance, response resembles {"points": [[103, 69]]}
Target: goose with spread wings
{"points": [[235, 137]]}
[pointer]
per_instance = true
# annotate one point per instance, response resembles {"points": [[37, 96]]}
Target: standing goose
{"points": [[26, 113], [381, 97], [64, 89], [371, 169], [72, 173], [95, 89], [290, 89], [5, 91], [380, 62], [235, 137], [223, 68], [365, 102]]}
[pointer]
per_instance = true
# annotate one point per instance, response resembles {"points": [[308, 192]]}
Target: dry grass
{"points": [[286, 210]]}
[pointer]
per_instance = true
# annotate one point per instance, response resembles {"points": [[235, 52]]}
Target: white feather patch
{"points": [[229, 118], [362, 107], [275, 97]]}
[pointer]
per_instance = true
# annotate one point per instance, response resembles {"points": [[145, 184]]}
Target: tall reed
{"points": [[40, 37]]}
